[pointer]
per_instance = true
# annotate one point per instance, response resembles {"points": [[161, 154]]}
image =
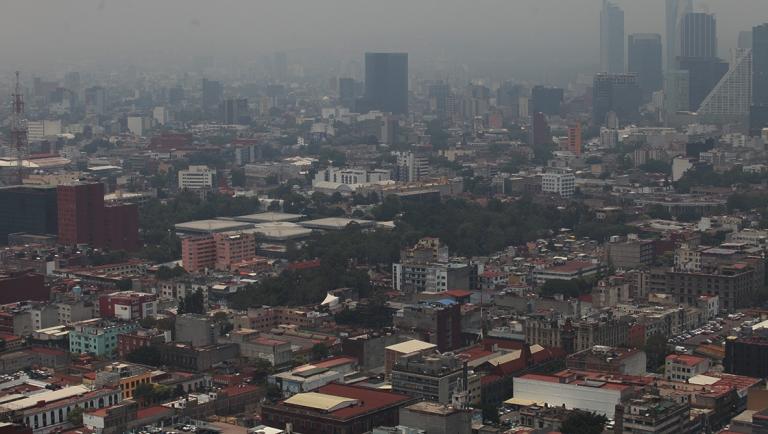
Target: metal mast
{"points": [[19, 129]]}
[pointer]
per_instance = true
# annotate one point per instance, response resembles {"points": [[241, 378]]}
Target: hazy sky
{"points": [[529, 35]]}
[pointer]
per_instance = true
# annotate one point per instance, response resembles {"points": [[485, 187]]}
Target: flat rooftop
{"points": [[336, 223], [46, 397], [281, 231], [411, 346], [267, 217], [211, 226], [432, 408]]}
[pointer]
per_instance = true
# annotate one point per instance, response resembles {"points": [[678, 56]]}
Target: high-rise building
{"points": [[546, 99], [698, 56], [95, 100], [347, 92], [676, 10], [760, 64], [386, 82], [698, 35], [83, 218], [731, 98], [539, 133], [234, 111], [508, 95], [758, 113], [676, 91], [574, 139], [280, 66], [618, 93], [27, 209], [645, 61], [745, 39], [438, 98], [72, 81], [213, 91], [410, 167], [703, 75], [611, 38], [81, 214]]}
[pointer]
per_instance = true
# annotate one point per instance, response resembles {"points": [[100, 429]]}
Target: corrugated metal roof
{"points": [[320, 401], [411, 346]]}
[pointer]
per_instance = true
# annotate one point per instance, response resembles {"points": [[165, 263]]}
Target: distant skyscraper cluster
{"points": [[685, 65]]}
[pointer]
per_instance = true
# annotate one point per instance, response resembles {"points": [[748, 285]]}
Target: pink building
{"points": [[198, 253], [217, 251], [233, 249]]}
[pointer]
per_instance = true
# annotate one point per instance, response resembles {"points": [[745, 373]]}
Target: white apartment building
{"points": [[410, 167], [138, 125], [563, 184], [334, 179], [196, 178], [38, 130]]}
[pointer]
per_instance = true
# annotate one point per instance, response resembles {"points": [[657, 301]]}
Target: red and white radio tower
{"points": [[19, 129]]}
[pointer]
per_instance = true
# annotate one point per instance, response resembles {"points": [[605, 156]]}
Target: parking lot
{"points": [[713, 332]]}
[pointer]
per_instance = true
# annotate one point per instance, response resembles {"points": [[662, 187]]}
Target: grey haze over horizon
{"points": [[530, 39]]}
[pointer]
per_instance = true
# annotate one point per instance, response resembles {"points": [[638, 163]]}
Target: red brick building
{"points": [[81, 214], [22, 286], [130, 342], [121, 227], [85, 219], [127, 305]]}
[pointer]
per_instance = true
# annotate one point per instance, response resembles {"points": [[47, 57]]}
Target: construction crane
{"points": [[19, 129]]}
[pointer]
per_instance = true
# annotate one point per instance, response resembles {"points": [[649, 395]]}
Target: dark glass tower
{"points": [[611, 38], [698, 35], [758, 112], [386, 82], [698, 56], [645, 58]]}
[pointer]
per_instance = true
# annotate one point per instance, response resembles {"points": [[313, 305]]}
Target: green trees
{"points": [[656, 166], [194, 302], [156, 219], [656, 350], [145, 356], [75, 417], [319, 352], [569, 288], [582, 422], [166, 273], [148, 394]]}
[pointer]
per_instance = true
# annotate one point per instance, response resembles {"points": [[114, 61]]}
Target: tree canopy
{"points": [[582, 422]]}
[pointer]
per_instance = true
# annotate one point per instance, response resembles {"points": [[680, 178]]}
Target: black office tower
{"points": [[698, 56], [546, 100], [213, 92], [698, 35], [618, 93], [645, 60], [347, 92], [758, 113], [386, 82], [29, 209]]}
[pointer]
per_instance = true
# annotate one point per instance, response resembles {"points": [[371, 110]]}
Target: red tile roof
{"points": [[148, 412], [370, 399], [685, 359], [458, 293]]}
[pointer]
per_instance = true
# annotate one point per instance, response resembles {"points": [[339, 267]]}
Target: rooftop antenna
{"points": [[19, 129]]}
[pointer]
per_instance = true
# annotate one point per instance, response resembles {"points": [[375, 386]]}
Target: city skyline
{"points": [[494, 34]]}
